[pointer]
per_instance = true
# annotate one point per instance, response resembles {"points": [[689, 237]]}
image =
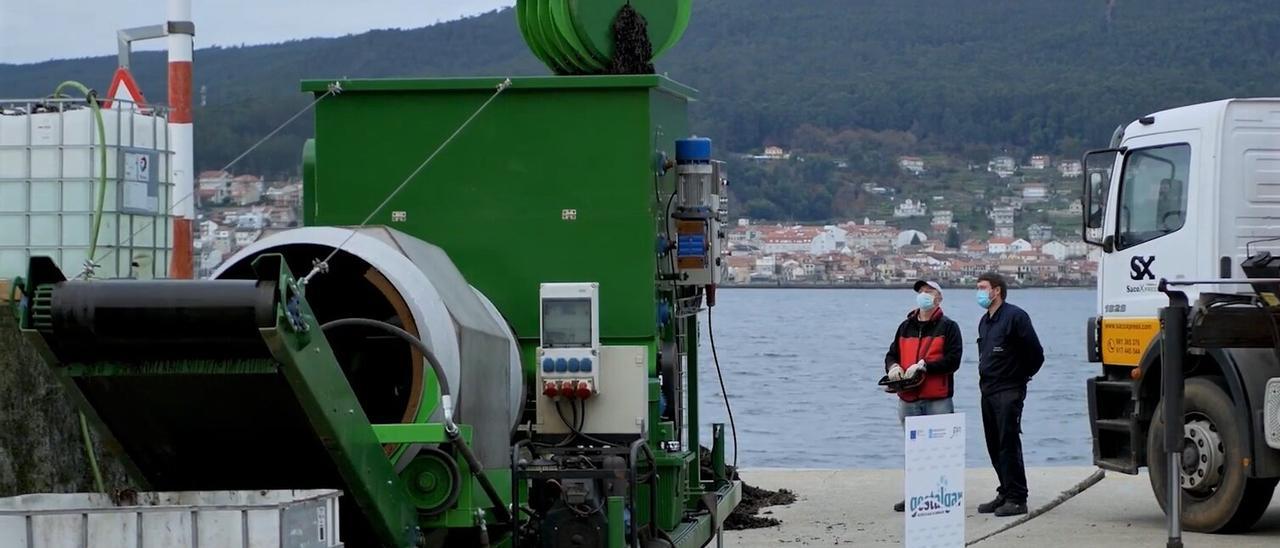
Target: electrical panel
{"points": [[569, 351], [621, 407]]}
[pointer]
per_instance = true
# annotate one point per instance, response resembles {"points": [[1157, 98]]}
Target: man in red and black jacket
{"points": [[928, 344]]}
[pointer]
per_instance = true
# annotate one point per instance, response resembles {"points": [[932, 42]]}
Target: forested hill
{"points": [[1039, 75]]}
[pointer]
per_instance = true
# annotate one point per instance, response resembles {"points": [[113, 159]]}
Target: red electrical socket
{"points": [[550, 389], [583, 390]]}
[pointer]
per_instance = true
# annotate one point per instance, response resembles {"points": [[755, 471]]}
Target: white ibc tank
{"points": [[50, 172]]}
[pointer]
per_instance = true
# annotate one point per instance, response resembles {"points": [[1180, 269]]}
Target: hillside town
{"points": [[874, 252], [1022, 218], [235, 211]]}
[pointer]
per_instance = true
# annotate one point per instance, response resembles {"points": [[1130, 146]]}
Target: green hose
{"points": [[92, 99]]}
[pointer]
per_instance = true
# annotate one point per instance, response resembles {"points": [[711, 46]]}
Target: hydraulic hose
{"points": [[446, 393], [499, 510], [446, 400]]}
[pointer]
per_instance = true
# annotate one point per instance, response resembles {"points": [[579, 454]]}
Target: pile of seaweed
{"points": [[632, 51], [754, 499]]}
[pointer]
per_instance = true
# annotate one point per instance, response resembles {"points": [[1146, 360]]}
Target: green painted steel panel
{"points": [[673, 483], [495, 199]]}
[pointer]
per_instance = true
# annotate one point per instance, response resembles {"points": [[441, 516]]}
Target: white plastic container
{"points": [[50, 179], [209, 519]]}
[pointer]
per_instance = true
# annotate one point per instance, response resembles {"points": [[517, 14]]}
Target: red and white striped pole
{"points": [[180, 32]]}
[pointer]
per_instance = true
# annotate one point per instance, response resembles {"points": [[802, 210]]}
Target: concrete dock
{"points": [[854, 508]]}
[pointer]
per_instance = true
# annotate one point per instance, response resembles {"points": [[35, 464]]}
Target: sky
{"points": [[39, 30]]}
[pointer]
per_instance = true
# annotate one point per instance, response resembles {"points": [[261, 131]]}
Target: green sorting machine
{"points": [[485, 335]]}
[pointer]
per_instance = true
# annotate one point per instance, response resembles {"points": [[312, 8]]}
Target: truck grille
{"points": [[1271, 413]]}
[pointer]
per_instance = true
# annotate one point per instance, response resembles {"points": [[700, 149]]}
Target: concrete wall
{"points": [[40, 446]]}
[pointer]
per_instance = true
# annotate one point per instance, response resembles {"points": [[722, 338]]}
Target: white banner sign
{"points": [[935, 481]]}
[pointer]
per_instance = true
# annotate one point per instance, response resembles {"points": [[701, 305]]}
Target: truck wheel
{"points": [[1217, 495]]}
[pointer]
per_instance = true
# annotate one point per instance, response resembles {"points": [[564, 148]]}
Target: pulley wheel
{"points": [[434, 481]]}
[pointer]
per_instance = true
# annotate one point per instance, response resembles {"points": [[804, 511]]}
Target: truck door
{"points": [[1151, 236]]}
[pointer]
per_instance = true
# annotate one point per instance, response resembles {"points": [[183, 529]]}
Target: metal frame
{"points": [[126, 37], [158, 234]]}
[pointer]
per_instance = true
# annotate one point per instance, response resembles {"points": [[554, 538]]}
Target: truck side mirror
{"points": [[1097, 168]]}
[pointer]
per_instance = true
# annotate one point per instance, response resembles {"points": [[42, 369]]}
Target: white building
{"points": [[251, 220], [223, 241], [776, 153], [1020, 245], [765, 266], [1003, 218], [830, 240], [913, 164], [1077, 248], [1070, 168], [246, 237], [1055, 249], [1040, 161], [208, 229], [1035, 192], [943, 217], [796, 239], [1003, 166], [910, 208], [1040, 233], [908, 237], [998, 245]]}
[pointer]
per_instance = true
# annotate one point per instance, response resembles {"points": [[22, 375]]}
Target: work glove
{"points": [[895, 373], [915, 370]]}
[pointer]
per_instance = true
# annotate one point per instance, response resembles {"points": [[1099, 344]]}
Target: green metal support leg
{"points": [[617, 531], [691, 374], [334, 412]]}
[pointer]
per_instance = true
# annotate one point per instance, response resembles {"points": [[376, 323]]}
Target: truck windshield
{"points": [[1153, 193]]}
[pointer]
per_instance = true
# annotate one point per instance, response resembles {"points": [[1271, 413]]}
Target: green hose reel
{"points": [[576, 36]]}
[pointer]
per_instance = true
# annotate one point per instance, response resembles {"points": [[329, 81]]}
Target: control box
{"points": [[621, 408], [569, 348], [695, 221]]}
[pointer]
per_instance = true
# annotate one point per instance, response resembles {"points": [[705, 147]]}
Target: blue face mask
{"points": [[984, 298], [924, 301]]}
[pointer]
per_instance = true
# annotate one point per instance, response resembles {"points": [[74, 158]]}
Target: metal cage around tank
{"points": [[51, 176]]}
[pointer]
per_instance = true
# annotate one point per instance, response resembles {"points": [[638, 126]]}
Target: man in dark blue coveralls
{"points": [[1009, 354]]}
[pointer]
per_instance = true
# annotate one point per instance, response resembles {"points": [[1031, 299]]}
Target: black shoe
{"points": [[989, 507], [1011, 509], [900, 507]]}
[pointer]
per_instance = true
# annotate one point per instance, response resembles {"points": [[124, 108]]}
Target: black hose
{"points": [[455, 435], [499, 510], [515, 491], [733, 427], [652, 479], [408, 337]]}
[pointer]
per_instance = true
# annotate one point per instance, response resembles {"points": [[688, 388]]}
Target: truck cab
{"points": [[1184, 194]]}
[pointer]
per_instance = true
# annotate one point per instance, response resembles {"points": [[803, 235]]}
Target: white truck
{"points": [[1190, 193]]}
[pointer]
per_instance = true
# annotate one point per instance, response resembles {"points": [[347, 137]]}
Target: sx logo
{"points": [[1141, 268]]}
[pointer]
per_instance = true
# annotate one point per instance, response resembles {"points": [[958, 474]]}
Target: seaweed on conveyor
{"points": [[632, 51]]}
